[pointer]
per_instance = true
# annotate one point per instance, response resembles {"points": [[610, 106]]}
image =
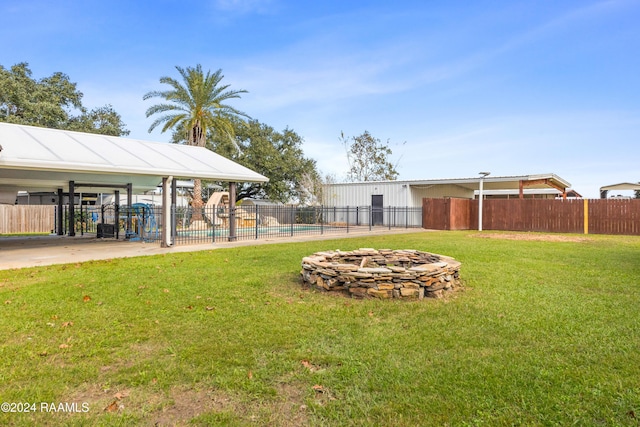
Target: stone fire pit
{"points": [[382, 273]]}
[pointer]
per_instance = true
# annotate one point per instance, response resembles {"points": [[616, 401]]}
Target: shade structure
{"points": [[42, 159]]}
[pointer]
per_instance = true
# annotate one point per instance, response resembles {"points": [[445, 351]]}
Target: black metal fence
{"points": [[145, 222]]}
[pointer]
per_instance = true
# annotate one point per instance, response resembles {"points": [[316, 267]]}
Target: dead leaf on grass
{"points": [[113, 407], [209, 308], [121, 395], [65, 324], [86, 298], [308, 365]]}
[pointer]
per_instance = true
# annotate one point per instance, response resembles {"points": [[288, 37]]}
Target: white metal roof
{"points": [[490, 182], [42, 159], [622, 186]]}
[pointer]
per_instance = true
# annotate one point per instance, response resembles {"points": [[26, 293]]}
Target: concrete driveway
{"points": [[21, 252]]}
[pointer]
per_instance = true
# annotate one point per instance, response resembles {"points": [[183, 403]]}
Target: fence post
{"points": [[81, 217], [293, 218], [322, 219], [256, 207], [586, 216], [370, 217], [60, 211], [72, 205], [347, 218], [232, 212]]}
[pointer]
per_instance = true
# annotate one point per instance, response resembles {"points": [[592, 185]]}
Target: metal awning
{"points": [[619, 187], [499, 182]]}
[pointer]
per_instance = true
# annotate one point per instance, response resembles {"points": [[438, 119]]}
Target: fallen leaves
{"points": [[310, 366], [121, 394], [86, 298], [116, 405], [65, 345]]}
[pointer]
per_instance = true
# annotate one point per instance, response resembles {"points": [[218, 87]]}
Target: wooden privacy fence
{"points": [[26, 219], [595, 216]]}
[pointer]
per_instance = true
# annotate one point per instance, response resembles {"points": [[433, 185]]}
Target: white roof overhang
{"points": [[489, 183], [621, 186], [499, 182], [42, 159]]}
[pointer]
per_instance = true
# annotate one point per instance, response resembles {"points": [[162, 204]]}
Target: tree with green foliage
{"points": [[195, 110], [368, 159], [278, 156], [53, 102]]}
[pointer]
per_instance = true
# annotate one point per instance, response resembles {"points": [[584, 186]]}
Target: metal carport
{"points": [[42, 159]]}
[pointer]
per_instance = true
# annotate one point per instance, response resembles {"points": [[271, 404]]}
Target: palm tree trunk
{"points": [[197, 137], [197, 203]]}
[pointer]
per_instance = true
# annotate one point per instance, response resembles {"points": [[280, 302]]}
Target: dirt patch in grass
{"points": [[534, 237], [180, 405]]}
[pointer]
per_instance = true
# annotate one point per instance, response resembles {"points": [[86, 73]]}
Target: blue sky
{"points": [[455, 87]]}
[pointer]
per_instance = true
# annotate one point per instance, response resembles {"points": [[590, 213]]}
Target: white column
{"points": [[480, 197], [166, 211]]}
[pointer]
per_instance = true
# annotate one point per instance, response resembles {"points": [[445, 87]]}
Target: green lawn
{"points": [[545, 333]]}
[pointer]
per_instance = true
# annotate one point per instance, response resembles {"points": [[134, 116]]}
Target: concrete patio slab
{"points": [[21, 252]]}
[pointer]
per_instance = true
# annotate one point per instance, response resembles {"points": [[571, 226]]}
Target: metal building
{"points": [[410, 193]]}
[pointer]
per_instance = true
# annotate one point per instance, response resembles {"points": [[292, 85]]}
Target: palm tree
{"points": [[196, 108]]}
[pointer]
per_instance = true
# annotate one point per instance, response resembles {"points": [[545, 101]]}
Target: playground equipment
{"points": [[217, 211], [144, 223], [217, 208]]}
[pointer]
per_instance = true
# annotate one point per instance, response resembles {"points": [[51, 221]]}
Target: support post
{"points": [[60, 218], [72, 201], [166, 212], [129, 203], [81, 216], [174, 204], [480, 198], [116, 225], [483, 175], [521, 189], [232, 212]]}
